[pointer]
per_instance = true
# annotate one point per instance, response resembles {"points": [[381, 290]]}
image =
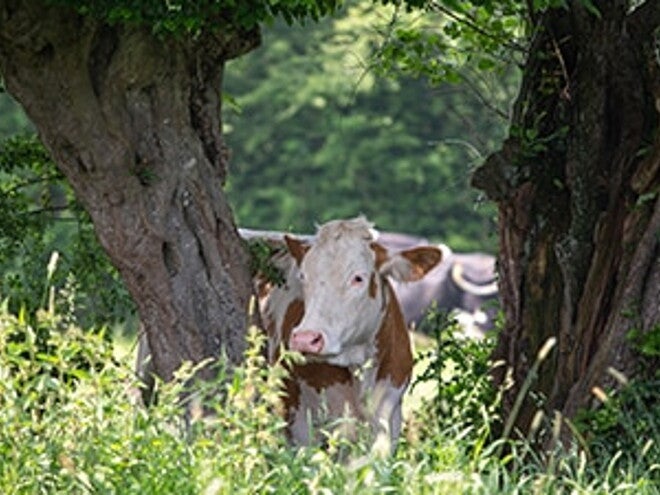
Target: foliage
{"points": [[261, 260], [40, 216], [450, 35], [626, 424], [47, 358], [648, 345], [465, 400], [345, 141], [627, 421], [95, 437], [192, 17]]}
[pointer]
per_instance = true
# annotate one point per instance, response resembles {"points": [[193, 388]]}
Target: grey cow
{"points": [[463, 284]]}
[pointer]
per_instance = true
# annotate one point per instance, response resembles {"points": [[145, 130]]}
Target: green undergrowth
{"points": [[72, 422]]}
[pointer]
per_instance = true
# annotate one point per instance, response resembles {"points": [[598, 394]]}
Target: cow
{"points": [[316, 394], [337, 307], [464, 284]]}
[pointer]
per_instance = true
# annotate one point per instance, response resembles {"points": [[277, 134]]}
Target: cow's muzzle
{"points": [[307, 341]]}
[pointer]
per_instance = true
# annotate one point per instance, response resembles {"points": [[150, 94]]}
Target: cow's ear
{"points": [[412, 264], [296, 247]]}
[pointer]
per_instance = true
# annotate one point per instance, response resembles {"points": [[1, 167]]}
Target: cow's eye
{"points": [[357, 280]]}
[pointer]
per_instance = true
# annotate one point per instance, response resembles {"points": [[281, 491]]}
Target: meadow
{"points": [[72, 422]]}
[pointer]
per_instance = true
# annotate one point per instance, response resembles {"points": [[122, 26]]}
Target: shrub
{"points": [[465, 399], [39, 215]]}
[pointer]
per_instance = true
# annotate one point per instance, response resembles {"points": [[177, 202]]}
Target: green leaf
{"points": [[589, 5]]}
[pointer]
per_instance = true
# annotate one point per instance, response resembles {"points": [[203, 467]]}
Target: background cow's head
{"points": [[346, 291]]}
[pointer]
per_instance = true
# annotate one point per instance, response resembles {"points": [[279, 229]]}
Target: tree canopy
{"points": [[349, 140], [190, 18]]}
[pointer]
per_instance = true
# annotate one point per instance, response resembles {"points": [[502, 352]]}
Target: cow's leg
{"points": [[342, 402], [299, 425], [387, 416]]}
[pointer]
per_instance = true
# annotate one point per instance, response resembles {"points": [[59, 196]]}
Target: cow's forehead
{"points": [[342, 245], [339, 257]]}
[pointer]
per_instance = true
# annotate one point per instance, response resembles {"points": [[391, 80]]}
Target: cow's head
{"points": [[345, 289]]}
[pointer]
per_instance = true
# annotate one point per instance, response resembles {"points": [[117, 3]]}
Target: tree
{"points": [[577, 187], [126, 96], [350, 140]]}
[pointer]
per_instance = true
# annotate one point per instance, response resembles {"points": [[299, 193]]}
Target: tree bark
{"points": [[577, 185], [133, 121]]}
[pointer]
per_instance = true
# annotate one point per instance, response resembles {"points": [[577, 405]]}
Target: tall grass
{"points": [[71, 422]]}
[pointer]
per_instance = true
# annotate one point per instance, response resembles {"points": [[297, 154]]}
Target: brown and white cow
{"points": [[463, 284], [338, 308]]}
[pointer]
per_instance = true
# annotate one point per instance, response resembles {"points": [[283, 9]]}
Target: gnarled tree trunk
{"points": [[134, 123], [579, 208]]}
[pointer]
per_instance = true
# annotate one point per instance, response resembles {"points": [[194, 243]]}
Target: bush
{"points": [[465, 399], [46, 359], [39, 215]]}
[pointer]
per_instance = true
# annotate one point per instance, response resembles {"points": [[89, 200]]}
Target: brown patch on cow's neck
{"points": [[263, 287], [294, 314], [322, 375], [395, 359], [373, 286], [381, 254]]}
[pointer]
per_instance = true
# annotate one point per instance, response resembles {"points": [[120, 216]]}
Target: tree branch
{"points": [[484, 99]]}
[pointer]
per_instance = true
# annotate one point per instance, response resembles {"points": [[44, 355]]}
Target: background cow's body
{"points": [[463, 283]]}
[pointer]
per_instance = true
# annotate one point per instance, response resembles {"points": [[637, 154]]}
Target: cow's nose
{"points": [[309, 341]]}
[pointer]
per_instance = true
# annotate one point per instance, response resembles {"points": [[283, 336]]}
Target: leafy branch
{"points": [[468, 21]]}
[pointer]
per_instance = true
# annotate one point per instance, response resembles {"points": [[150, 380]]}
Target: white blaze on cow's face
{"points": [[343, 277]]}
